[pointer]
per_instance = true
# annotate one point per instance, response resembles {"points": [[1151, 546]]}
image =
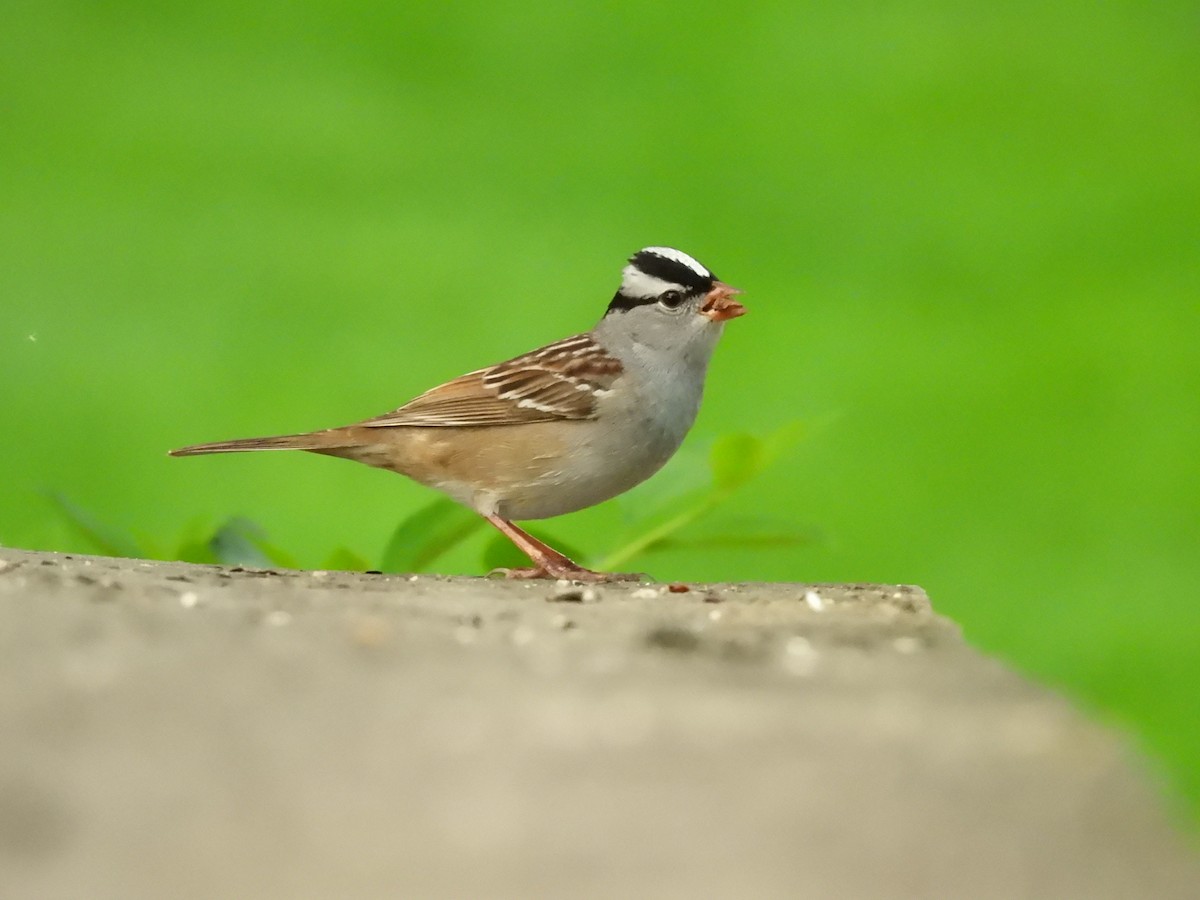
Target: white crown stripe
{"points": [[680, 257]]}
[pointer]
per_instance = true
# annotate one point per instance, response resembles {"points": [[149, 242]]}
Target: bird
{"points": [[560, 428]]}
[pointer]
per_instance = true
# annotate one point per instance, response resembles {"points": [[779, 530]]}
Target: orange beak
{"points": [[720, 306]]}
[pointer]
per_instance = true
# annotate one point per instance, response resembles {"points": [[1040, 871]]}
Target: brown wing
{"points": [[559, 381]]}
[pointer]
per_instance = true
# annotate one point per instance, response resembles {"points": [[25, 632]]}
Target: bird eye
{"points": [[670, 299]]}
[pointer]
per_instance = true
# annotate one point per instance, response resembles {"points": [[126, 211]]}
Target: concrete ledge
{"points": [[194, 731]]}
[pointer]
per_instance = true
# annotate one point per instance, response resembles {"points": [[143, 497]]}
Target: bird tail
{"points": [[313, 440]]}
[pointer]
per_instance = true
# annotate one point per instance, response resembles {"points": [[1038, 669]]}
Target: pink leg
{"points": [[548, 562]]}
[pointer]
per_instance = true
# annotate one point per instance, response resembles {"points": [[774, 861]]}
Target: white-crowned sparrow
{"points": [[559, 428]]}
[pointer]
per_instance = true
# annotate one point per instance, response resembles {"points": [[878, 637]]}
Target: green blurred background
{"points": [[969, 235]]}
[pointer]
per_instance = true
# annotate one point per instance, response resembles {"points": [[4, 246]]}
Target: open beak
{"points": [[719, 304]]}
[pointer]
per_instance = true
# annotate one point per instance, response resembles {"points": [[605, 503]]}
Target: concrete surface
{"points": [[178, 731]]}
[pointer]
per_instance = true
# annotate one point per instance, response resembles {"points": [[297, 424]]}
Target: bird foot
{"points": [[548, 562]]}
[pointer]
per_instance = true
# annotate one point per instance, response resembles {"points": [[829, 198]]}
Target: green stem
{"points": [[639, 544]]}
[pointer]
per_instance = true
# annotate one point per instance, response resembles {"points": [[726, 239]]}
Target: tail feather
{"points": [[314, 440]]}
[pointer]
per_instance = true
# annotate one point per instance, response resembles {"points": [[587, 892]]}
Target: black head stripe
{"points": [[666, 269], [620, 302], [671, 270]]}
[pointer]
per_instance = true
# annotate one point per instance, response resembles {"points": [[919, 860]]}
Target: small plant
{"points": [[664, 513]]}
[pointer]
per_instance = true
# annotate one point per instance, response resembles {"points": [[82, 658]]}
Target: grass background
{"points": [[969, 235]]}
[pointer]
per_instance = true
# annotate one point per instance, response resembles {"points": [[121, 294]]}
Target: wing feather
{"points": [[559, 381]]}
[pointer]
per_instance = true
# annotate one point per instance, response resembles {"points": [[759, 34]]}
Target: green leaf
{"points": [[501, 553], [107, 539], [241, 542], [235, 544], [279, 556], [686, 475], [427, 534], [195, 552], [193, 544], [736, 459], [742, 530], [765, 540], [785, 439], [343, 559], [739, 458]]}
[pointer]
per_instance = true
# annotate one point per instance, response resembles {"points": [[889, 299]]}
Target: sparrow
{"points": [[562, 427]]}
